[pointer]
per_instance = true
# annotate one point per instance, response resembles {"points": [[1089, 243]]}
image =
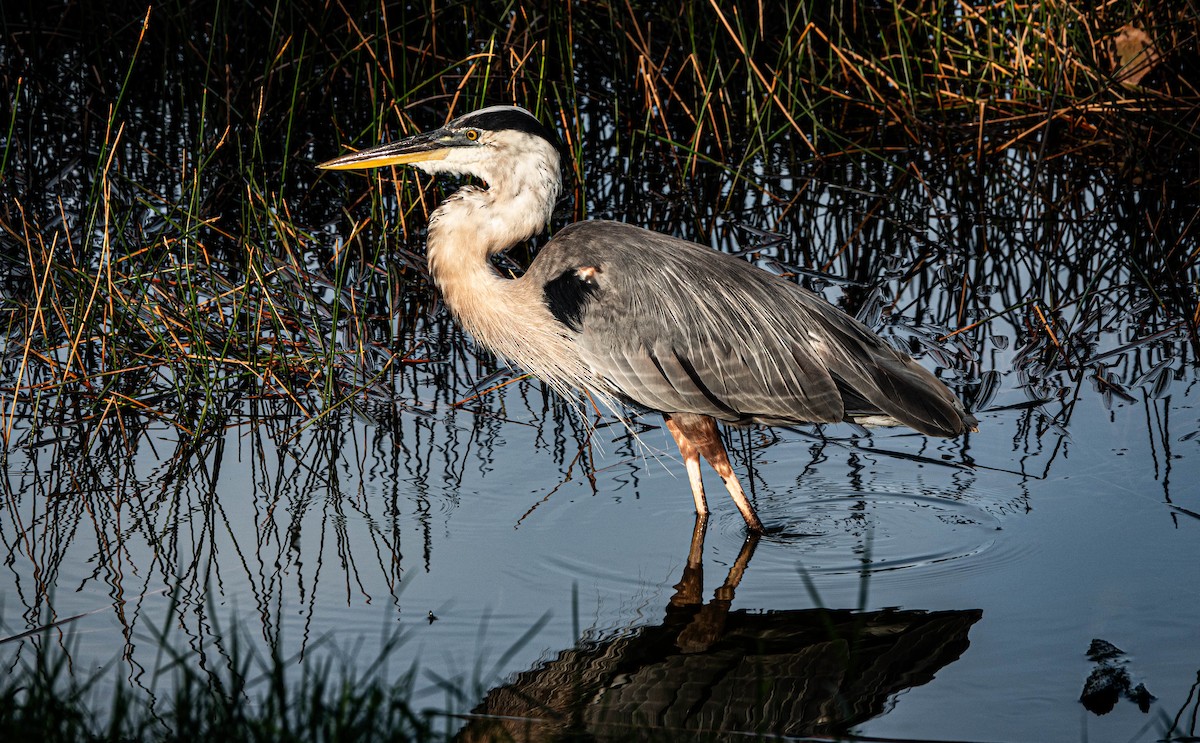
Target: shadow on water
{"points": [[226, 384]]}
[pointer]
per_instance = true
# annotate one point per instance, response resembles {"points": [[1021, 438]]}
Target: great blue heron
{"points": [[641, 318]]}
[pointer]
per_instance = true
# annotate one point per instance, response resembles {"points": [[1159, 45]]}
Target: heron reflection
{"points": [[710, 668]]}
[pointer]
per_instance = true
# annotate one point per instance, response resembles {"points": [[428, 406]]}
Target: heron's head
{"points": [[496, 144]]}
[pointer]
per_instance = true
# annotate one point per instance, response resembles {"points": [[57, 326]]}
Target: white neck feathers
{"points": [[510, 317]]}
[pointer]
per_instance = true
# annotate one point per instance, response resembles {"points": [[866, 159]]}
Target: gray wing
{"points": [[677, 327]]}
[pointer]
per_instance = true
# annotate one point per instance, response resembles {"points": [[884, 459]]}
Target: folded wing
{"points": [[677, 327]]}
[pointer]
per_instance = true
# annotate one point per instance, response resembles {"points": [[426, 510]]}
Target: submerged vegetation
{"points": [[1008, 189]]}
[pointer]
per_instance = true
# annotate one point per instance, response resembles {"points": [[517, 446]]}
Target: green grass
{"points": [[245, 698]]}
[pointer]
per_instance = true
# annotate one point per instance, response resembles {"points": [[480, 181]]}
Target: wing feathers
{"points": [[680, 328]]}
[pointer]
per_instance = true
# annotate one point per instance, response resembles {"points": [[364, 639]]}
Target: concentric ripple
{"points": [[879, 531]]}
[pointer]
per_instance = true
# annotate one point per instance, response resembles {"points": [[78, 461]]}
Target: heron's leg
{"points": [[691, 460], [701, 431]]}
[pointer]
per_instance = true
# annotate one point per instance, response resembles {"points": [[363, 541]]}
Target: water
{"points": [[909, 588], [337, 538]]}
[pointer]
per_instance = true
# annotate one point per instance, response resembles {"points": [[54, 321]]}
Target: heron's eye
{"points": [[471, 134]]}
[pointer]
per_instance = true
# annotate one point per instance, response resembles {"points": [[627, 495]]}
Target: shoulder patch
{"points": [[568, 295]]}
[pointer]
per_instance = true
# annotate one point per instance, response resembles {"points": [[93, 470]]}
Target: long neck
{"points": [[508, 316], [464, 232]]}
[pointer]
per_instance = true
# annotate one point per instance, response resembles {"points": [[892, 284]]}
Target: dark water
{"points": [[910, 587]]}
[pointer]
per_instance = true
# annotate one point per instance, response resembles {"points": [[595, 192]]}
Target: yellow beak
{"points": [[428, 146]]}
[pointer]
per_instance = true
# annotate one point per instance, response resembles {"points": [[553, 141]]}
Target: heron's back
{"points": [[678, 327]]}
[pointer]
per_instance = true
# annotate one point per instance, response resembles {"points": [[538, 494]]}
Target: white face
{"points": [[499, 158], [521, 171]]}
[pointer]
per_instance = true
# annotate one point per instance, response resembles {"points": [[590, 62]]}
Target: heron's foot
{"points": [[754, 526]]}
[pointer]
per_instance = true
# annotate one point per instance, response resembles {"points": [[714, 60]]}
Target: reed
{"points": [[171, 246]]}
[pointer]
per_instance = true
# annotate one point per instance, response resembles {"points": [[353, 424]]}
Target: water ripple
{"points": [[847, 534]]}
